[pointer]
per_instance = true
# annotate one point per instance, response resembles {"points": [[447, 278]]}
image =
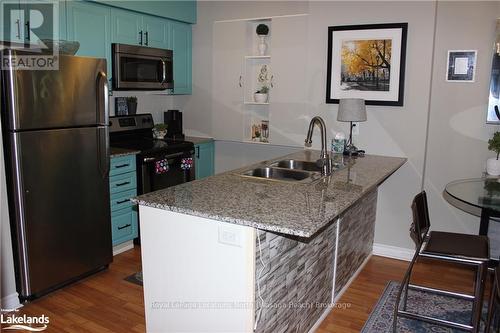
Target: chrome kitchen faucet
{"points": [[325, 161]]}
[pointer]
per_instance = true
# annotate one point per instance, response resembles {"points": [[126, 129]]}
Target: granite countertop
{"points": [[197, 139], [284, 207], [118, 152]]}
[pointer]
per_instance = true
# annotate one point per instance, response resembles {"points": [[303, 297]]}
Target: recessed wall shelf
{"points": [[239, 71]]}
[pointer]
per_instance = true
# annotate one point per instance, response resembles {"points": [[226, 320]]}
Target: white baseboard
{"points": [[120, 248], [10, 302], [393, 252]]}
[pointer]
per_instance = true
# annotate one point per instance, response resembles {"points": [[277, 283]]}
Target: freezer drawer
{"points": [[60, 209]]}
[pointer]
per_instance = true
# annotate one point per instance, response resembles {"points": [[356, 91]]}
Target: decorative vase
{"points": [[493, 166], [262, 45], [260, 98], [132, 107]]}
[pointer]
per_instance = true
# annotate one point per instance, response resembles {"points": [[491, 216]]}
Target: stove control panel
{"points": [[130, 123]]}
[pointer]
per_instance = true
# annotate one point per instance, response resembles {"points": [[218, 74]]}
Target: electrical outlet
{"points": [[355, 128], [229, 236]]}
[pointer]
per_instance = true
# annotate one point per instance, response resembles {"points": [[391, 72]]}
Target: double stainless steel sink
{"points": [[289, 170]]}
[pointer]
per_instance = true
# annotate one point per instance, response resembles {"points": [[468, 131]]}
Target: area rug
{"points": [[427, 303], [135, 278]]}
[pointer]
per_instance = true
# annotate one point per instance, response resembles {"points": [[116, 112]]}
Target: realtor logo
{"points": [[31, 26], [13, 321]]}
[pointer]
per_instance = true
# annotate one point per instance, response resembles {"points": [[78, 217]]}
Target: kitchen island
{"points": [[232, 254]]}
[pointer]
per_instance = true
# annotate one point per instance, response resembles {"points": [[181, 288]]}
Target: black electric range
{"points": [[160, 163]]}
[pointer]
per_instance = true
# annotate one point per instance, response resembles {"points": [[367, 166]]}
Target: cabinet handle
{"points": [[28, 30], [18, 23], [239, 82], [271, 81], [198, 152], [121, 166], [146, 34], [140, 37], [122, 201], [121, 184], [125, 226]]}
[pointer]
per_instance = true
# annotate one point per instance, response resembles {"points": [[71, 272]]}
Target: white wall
{"points": [[458, 133]]}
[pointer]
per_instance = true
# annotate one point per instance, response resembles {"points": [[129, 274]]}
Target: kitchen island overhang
{"points": [[229, 254]]}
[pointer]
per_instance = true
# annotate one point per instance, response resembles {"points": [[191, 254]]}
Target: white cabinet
{"points": [[229, 49], [288, 65], [236, 66]]}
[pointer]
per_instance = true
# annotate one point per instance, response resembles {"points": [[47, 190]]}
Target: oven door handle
{"points": [[153, 159]]}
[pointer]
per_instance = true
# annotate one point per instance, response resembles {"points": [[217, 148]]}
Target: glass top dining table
{"points": [[483, 193]]}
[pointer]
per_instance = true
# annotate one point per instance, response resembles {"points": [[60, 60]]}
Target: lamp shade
{"points": [[351, 109]]}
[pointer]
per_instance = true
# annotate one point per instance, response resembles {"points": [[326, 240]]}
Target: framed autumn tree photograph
{"points": [[367, 61]]}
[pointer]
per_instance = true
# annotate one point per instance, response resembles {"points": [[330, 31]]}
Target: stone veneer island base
{"points": [[210, 269]]}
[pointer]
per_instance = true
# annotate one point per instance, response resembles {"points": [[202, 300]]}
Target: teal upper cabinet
{"points": [[89, 24], [156, 32], [184, 10], [126, 27], [25, 25], [181, 45], [135, 29]]}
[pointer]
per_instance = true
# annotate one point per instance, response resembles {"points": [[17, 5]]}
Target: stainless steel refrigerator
{"points": [[55, 132]]}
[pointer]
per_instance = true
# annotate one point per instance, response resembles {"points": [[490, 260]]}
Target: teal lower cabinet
{"points": [[204, 159], [124, 225], [123, 186]]}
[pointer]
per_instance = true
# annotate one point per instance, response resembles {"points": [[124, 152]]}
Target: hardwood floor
{"points": [[102, 303], [108, 304], [362, 295]]}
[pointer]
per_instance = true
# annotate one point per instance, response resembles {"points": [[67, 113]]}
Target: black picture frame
{"points": [[394, 96]]}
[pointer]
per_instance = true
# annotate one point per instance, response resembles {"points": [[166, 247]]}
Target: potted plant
{"points": [[132, 104], [262, 31], [159, 131], [261, 95], [493, 164]]}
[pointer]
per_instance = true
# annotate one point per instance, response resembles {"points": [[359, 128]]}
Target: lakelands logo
{"points": [[24, 322], [31, 26]]}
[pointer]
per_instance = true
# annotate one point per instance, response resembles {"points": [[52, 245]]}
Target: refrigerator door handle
{"points": [[103, 150], [102, 99]]}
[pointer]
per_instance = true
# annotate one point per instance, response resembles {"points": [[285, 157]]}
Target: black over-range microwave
{"points": [[142, 68]]}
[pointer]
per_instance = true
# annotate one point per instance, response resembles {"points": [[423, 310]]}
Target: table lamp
{"points": [[351, 110]]}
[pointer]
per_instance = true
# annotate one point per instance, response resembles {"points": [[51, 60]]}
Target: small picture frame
{"points": [[461, 66], [121, 107]]}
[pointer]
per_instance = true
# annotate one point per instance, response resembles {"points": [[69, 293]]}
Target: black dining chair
{"points": [[493, 304], [472, 250]]}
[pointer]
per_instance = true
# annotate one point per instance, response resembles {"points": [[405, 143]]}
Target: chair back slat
{"points": [[421, 221]]}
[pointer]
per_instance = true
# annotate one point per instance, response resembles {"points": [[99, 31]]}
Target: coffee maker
{"points": [[173, 120]]}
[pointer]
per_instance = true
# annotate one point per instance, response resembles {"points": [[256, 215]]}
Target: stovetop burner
{"points": [[135, 132], [149, 146]]}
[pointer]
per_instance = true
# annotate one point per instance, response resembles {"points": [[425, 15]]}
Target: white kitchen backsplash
{"points": [[146, 103]]}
